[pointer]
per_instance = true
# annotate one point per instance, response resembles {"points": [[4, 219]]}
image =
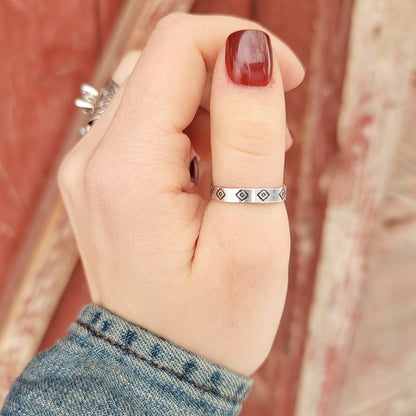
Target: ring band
{"points": [[248, 195], [103, 99], [94, 103]]}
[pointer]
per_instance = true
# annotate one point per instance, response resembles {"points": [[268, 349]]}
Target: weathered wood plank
{"points": [[380, 74], [380, 376]]}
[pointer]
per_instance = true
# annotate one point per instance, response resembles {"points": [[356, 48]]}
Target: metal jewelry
{"points": [[94, 103], [248, 195]]}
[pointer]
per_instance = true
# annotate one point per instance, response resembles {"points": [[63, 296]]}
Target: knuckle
{"points": [[69, 175], [170, 22]]}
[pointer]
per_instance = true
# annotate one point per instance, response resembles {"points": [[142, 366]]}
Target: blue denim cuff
{"points": [[107, 366], [175, 368]]}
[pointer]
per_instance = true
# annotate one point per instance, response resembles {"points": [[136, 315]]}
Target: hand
{"points": [[208, 276]]}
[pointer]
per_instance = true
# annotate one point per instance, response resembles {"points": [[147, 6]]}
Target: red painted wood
{"points": [[41, 50], [240, 8], [317, 30]]}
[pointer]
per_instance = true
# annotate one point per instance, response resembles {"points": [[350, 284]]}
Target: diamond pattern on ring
{"points": [[220, 194], [263, 194], [249, 195], [242, 195]]}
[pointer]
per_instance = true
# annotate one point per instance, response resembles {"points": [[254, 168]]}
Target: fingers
{"points": [[167, 85], [248, 121]]}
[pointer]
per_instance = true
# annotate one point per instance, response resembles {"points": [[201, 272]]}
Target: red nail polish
{"points": [[248, 58]]}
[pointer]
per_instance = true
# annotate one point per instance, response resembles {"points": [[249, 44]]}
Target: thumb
{"points": [[248, 118], [247, 245]]}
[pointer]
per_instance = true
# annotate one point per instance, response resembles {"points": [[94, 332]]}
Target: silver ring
{"points": [[248, 195], [94, 103]]}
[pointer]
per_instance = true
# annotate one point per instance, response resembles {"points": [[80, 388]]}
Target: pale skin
{"points": [[208, 276]]}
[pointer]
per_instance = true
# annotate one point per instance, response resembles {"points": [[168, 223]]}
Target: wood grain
{"points": [[375, 94], [380, 375]]}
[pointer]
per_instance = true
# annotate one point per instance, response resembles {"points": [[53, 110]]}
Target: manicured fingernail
{"points": [[291, 134], [248, 58], [194, 170]]}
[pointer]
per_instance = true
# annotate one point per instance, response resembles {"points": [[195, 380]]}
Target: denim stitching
{"points": [[160, 367]]}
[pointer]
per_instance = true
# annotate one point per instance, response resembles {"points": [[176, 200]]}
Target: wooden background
{"points": [[347, 342]]}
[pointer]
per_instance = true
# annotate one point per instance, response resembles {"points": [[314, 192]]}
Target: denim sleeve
{"points": [[108, 366]]}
